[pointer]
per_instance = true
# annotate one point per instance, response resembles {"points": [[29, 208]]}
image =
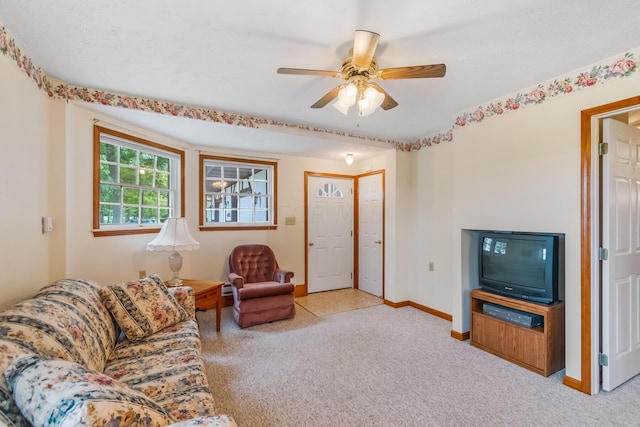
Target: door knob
{"points": [[311, 244], [379, 242]]}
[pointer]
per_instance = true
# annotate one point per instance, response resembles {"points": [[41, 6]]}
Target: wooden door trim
{"points": [[586, 285]]}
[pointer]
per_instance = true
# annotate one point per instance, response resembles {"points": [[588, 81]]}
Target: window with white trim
{"points": [[237, 193], [138, 184]]}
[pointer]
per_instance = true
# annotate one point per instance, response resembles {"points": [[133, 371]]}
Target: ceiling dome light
{"points": [[349, 159]]}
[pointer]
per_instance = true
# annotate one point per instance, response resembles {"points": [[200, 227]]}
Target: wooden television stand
{"points": [[540, 349]]}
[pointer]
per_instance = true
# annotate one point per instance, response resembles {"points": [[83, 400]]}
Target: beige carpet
{"points": [[383, 367], [341, 300]]}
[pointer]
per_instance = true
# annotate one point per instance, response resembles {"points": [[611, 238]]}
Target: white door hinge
{"points": [[603, 359], [603, 254], [603, 148]]}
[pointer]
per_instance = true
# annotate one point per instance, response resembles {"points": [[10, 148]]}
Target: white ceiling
{"points": [[224, 56]]}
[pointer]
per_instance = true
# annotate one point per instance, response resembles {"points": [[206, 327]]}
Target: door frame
{"points": [[356, 225], [308, 174], [589, 221]]}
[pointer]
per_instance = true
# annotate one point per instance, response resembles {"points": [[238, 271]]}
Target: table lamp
{"points": [[174, 237]]}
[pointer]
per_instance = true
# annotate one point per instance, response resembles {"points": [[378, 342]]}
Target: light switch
{"points": [[47, 224]]}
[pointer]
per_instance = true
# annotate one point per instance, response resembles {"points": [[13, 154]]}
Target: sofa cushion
{"points": [[66, 320], [180, 335], [93, 330], [142, 307], [63, 393], [166, 367]]}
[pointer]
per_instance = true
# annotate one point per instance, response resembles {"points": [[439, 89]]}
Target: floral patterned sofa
{"points": [[128, 354]]}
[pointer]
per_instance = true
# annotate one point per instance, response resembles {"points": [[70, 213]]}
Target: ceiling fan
{"points": [[358, 69]]}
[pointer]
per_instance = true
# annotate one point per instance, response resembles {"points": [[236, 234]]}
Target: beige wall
{"points": [[118, 258], [432, 219], [24, 185], [520, 171]]}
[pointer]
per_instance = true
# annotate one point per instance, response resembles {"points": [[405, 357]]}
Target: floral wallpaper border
{"points": [[614, 68]]}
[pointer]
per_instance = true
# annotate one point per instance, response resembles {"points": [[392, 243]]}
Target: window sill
{"points": [[238, 227], [125, 231]]}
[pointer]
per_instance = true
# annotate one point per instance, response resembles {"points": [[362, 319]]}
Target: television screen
{"points": [[514, 261]]}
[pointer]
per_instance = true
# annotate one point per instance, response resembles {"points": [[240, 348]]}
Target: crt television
{"points": [[520, 265]]}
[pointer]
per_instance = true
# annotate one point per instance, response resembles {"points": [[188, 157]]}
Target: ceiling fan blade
{"points": [[413, 72], [388, 102], [330, 96], [364, 46], [303, 71]]}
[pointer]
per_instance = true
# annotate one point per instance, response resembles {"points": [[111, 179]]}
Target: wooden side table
{"points": [[208, 295]]}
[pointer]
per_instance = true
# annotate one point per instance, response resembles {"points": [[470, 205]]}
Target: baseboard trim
{"points": [[396, 304], [420, 307], [460, 336], [300, 290], [430, 310]]}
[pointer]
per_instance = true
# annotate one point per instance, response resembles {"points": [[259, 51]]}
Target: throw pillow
{"points": [[62, 393], [142, 307]]}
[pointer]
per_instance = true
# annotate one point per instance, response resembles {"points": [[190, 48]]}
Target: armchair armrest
{"points": [[186, 298], [236, 280], [283, 276]]}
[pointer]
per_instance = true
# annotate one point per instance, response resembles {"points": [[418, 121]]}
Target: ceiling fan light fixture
{"points": [[365, 108], [338, 105], [374, 96], [346, 98], [371, 99], [348, 94]]}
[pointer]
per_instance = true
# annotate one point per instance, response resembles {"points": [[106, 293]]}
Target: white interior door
{"points": [[370, 233], [329, 233], [621, 236]]}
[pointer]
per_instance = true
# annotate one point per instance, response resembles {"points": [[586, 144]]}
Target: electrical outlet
{"points": [[432, 266], [142, 274]]}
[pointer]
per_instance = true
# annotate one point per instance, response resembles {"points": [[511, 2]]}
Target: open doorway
{"points": [[592, 238], [344, 232]]}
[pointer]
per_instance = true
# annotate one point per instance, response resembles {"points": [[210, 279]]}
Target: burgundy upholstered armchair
{"points": [[262, 292]]}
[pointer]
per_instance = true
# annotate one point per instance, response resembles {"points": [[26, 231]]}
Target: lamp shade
{"points": [[174, 236]]}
